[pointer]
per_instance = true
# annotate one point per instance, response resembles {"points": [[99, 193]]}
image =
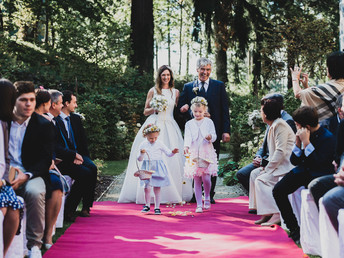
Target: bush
{"points": [[290, 102], [228, 171], [119, 111], [241, 132]]}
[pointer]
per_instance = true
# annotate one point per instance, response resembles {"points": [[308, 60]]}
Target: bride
{"points": [[180, 188]]}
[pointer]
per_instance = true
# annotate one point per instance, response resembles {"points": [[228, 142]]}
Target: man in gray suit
{"points": [[244, 173]]}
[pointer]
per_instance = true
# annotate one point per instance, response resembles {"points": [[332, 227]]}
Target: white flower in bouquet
{"points": [[254, 119], [159, 103]]}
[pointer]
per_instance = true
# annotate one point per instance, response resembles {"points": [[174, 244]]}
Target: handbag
{"points": [[144, 174], [65, 185]]}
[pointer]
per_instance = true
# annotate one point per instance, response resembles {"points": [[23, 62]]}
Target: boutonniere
{"points": [[195, 90]]}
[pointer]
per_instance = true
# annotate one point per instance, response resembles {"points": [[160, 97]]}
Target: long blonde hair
{"points": [[158, 82]]}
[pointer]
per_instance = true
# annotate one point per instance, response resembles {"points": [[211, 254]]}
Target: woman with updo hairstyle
{"points": [[10, 205], [280, 140], [55, 192], [160, 103]]}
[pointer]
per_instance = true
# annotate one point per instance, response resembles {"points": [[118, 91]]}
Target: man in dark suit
{"points": [[218, 110], [332, 123], [30, 152], [262, 154], [312, 157], [71, 148]]}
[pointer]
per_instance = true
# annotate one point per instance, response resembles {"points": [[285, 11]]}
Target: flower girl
{"points": [[151, 153], [201, 160]]}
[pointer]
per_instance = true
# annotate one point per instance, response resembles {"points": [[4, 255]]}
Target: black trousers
{"points": [[287, 185], [321, 185], [216, 145], [85, 176]]}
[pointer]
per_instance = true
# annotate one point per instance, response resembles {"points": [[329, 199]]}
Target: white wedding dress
{"points": [[180, 188]]}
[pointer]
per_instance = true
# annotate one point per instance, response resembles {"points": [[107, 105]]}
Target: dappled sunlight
{"points": [[226, 230]]}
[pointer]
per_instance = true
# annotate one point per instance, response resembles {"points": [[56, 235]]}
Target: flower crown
{"points": [[150, 128], [199, 100]]}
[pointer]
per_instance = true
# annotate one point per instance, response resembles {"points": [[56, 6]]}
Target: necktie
{"points": [[70, 130], [202, 91]]}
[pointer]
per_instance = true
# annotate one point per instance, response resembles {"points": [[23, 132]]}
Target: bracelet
{"points": [[3, 182], [295, 80]]}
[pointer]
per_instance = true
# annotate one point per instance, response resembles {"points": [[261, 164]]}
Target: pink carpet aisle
{"points": [[120, 230]]}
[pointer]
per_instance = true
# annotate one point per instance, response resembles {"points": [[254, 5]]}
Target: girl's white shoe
{"points": [[199, 209], [206, 205]]}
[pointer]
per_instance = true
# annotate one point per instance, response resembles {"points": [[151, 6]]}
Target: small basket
{"points": [[144, 174]]}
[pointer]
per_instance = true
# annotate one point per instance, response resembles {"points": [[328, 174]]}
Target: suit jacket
{"points": [[217, 98], [36, 152], [331, 124], [319, 162], [64, 147], [339, 143], [280, 140], [264, 151]]}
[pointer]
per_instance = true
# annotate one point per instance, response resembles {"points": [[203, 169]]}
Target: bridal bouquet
{"points": [[159, 103]]}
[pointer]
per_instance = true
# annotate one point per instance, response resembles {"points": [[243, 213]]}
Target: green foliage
{"points": [[115, 115], [95, 124], [228, 172], [101, 165], [290, 102], [241, 132]]}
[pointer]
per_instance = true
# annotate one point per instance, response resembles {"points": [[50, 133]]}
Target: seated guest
{"points": [[30, 152], [312, 155], [53, 202], [243, 174], [71, 148], [321, 185], [324, 96], [9, 203], [280, 140], [332, 123], [334, 199]]}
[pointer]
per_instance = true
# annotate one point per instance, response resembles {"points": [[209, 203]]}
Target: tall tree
{"points": [[142, 26]]}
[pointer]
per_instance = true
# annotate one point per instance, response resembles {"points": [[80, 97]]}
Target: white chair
{"points": [[59, 222], [341, 231], [309, 226], [18, 248], [295, 202], [328, 235]]}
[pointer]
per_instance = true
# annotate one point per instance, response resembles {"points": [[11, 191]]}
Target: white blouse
{"points": [[192, 130], [2, 152], [154, 150]]}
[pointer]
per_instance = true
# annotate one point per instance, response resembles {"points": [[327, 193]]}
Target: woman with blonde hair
{"points": [[160, 102]]}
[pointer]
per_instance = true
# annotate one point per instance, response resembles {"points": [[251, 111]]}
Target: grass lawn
{"points": [[114, 167]]}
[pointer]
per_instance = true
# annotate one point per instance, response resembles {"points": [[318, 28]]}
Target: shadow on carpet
{"points": [[121, 230]]}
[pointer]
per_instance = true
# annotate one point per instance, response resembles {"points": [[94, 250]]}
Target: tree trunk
{"points": [[142, 27], [290, 63], [168, 34], [47, 16], [221, 65], [221, 24], [180, 38], [52, 35], [156, 56], [187, 58], [1, 21]]}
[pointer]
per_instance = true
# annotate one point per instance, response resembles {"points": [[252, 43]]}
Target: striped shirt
{"points": [[323, 97]]}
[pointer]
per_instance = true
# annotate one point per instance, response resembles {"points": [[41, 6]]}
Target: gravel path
{"points": [[222, 191]]}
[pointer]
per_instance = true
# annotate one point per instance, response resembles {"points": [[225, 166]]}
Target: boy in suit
{"points": [[312, 157], [30, 152]]}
